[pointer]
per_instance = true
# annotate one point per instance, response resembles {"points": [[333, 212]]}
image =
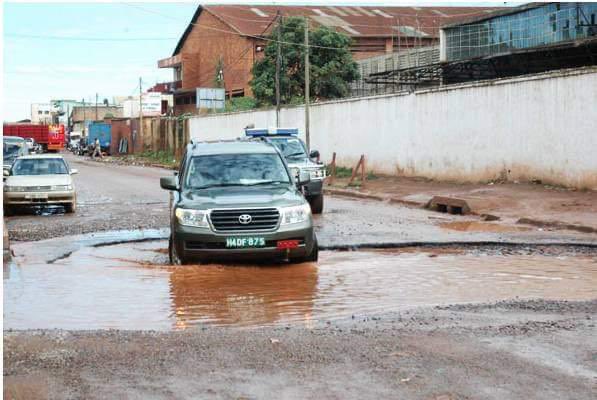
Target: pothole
{"points": [[131, 286]]}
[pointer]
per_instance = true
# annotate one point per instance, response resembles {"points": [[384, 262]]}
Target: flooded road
{"points": [[130, 286]]}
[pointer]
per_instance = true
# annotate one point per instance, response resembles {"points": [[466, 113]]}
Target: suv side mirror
{"points": [[169, 183], [304, 177], [74, 171], [314, 154]]}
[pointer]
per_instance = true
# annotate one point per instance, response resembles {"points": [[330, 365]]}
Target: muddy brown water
{"points": [[130, 286]]}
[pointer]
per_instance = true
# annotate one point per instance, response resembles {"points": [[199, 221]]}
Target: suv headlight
{"points": [[189, 217], [317, 173], [62, 188], [296, 214]]}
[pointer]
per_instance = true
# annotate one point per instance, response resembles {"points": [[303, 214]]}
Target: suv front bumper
{"points": [[203, 243]]}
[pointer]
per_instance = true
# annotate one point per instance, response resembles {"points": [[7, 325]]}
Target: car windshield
{"points": [[10, 150], [235, 170], [40, 166], [290, 147]]}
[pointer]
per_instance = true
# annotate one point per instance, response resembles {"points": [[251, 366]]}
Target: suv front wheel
{"points": [[316, 203], [175, 259]]}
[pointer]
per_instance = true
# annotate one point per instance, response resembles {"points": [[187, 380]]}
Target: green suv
{"points": [[237, 200]]}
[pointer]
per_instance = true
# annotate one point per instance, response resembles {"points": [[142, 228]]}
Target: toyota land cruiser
{"points": [[238, 199]]}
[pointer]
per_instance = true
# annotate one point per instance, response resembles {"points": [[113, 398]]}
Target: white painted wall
{"points": [[41, 113], [543, 127]]}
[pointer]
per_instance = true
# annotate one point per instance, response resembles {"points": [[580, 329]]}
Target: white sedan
{"points": [[39, 180]]}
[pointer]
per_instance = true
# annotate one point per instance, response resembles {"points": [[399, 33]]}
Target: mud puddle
{"points": [[130, 286], [475, 226]]}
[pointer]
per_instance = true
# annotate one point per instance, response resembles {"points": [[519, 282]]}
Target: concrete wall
{"points": [[538, 127]]}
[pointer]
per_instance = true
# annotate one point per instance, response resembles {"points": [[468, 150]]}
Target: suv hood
{"points": [[242, 197]]}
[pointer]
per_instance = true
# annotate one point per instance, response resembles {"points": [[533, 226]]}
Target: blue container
{"points": [[103, 132]]}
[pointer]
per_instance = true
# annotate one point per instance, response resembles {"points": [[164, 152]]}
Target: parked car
{"points": [[12, 147], [238, 199], [73, 141], [299, 159], [83, 148], [33, 146], [39, 180]]}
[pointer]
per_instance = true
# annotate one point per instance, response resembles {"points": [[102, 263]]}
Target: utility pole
{"points": [[96, 106], [140, 112], [278, 65], [84, 116], [307, 83]]}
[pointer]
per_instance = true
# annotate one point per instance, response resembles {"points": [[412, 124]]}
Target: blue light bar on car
{"points": [[256, 132]]}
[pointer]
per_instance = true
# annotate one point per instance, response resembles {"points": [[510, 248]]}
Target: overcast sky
{"points": [[74, 50], [38, 66]]}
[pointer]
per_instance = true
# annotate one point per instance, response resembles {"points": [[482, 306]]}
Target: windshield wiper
{"points": [[296, 154], [265, 183]]}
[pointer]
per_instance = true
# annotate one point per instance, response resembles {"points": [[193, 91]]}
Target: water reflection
{"points": [[242, 295]]}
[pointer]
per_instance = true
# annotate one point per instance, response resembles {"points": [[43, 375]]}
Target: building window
{"points": [[46, 112], [187, 99], [179, 101], [39, 112]]}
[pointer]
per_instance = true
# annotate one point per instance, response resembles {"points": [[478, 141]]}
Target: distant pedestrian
{"points": [[97, 150]]}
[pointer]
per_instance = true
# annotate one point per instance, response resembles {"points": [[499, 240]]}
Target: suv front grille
{"points": [[224, 220]]}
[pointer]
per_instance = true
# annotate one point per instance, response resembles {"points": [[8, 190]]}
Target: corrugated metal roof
{"points": [[250, 20]]}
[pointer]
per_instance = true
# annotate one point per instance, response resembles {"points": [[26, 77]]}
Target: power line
{"points": [[242, 55], [236, 33], [79, 38]]}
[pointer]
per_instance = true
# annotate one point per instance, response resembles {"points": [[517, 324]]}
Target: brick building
{"points": [[233, 36]]}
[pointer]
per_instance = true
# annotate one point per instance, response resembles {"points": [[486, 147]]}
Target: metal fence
{"points": [[369, 67]]}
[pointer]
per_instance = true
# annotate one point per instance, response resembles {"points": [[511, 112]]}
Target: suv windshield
{"points": [[290, 147], [39, 166], [235, 170]]}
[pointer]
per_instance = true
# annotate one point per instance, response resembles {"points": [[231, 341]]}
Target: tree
{"points": [[332, 68]]}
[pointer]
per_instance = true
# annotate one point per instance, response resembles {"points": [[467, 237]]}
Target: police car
{"points": [[298, 158]]}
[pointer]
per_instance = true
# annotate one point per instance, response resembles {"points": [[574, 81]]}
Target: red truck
{"points": [[50, 137]]}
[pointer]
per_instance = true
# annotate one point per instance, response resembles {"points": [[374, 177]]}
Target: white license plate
{"points": [[242, 242]]}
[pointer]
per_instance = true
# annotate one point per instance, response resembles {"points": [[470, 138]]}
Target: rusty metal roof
{"points": [[366, 21]]}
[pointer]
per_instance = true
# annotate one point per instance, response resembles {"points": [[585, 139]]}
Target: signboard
{"points": [[151, 103], [213, 98]]}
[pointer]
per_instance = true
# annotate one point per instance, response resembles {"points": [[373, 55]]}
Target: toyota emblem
{"points": [[245, 219]]}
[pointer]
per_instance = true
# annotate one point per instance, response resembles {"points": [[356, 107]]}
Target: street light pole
{"points": [[84, 117], [307, 83], [140, 112], [278, 65]]}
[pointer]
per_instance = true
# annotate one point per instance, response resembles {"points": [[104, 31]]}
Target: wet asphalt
{"points": [[516, 349]]}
